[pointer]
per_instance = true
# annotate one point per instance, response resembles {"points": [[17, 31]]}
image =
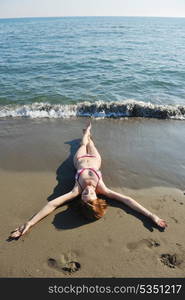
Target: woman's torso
{"points": [[88, 171]]}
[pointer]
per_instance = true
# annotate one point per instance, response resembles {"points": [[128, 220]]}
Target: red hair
{"points": [[94, 209]]}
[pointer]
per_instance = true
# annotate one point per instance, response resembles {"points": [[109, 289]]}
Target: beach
{"points": [[141, 158]]}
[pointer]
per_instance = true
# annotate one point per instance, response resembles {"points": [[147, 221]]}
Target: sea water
{"points": [[92, 66]]}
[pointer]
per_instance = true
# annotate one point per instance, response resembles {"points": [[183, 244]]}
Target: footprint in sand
{"points": [[176, 221], [171, 260], [146, 242], [67, 263], [181, 203]]}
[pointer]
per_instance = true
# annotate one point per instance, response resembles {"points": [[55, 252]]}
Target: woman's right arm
{"points": [[46, 210]]}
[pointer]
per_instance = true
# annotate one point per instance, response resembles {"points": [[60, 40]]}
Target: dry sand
{"points": [[141, 158]]}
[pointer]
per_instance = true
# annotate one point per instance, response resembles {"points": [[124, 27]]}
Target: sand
{"points": [[141, 158]]}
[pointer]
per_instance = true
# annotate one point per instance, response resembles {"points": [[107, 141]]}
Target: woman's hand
{"points": [[160, 222], [19, 231]]}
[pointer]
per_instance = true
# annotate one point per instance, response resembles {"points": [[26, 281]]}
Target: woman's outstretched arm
{"points": [[135, 205], [46, 210]]}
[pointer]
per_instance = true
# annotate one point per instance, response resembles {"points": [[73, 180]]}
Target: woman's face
{"points": [[88, 194]]}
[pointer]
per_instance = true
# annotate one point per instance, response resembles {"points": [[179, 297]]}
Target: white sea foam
{"points": [[98, 109]]}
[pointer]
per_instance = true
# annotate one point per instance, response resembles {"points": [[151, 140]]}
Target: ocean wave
{"points": [[98, 109]]}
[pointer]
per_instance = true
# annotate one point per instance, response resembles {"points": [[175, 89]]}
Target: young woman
{"points": [[88, 184]]}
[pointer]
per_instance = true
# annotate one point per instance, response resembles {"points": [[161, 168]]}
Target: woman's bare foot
{"points": [[88, 128], [87, 131], [160, 222]]}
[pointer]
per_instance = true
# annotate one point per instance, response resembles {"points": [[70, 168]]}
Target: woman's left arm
{"points": [[135, 205]]}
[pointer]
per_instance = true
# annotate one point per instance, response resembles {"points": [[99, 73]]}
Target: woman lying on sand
{"points": [[89, 184]]}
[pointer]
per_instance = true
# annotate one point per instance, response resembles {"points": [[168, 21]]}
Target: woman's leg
{"points": [[91, 149], [83, 145]]}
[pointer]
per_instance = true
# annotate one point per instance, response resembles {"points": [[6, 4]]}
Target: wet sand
{"points": [[141, 158]]}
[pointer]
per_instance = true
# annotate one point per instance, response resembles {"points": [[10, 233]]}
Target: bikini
{"points": [[86, 155], [79, 172]]}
